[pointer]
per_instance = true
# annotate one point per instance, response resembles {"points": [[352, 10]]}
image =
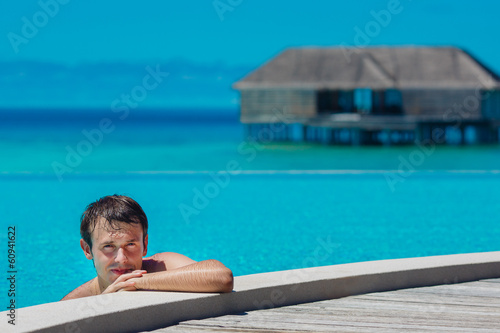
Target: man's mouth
{"points": [[120, 271]]}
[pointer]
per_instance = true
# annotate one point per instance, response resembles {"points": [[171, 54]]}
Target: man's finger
{"points": [[128, 288], [127, 276], [118, 286], [127, 285], [140, 270]]}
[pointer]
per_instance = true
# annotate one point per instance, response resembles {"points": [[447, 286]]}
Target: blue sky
{"points": [[231, 34]]}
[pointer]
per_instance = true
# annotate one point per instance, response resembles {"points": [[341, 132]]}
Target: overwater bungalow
{"points": [[372, 95]]}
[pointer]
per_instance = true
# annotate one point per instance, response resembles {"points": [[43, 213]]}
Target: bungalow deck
{"points": [[358, 129], [462, 307]]}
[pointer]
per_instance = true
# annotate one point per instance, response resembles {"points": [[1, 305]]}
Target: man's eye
{"points": [[131, 244], [107, 247]]}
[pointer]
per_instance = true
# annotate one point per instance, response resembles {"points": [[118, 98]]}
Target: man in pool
{"points": [[114, 232]]}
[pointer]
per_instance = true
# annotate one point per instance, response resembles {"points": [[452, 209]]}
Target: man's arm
{"points": [[168, 272], [203, 276]]}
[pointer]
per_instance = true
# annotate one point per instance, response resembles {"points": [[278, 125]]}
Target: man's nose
{"points": [[120, 256]]}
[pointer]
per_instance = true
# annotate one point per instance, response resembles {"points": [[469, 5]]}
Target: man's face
{"points": [[116, 251]]}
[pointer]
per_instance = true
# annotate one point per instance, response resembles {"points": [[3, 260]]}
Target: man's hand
{"points": [[124, 282]]}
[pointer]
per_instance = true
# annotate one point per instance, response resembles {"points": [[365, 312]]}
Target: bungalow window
{"points": [[327, 101], [393, 101], [387, 102], [334, 101], [363, 100]]}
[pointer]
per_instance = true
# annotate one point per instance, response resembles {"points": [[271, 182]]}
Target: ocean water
{"points": [[210, 194]]}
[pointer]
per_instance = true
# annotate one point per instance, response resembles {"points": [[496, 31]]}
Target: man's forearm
{"points": [[203, 276]]}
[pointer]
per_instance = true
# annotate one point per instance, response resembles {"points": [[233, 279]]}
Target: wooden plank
{"points": [[402, 319], [437, 299], [461, 290], [328, 307], [422, 313], [489, 281], [202, 329]]}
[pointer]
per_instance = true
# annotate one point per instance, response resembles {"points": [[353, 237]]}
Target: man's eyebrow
{"points": [[132, 240]]}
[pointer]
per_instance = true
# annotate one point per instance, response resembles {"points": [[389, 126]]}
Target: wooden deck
{"points": [[462, 307]]}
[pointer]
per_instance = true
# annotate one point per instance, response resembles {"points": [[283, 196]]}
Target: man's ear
{"points": [[86, 249], [145, 246]]}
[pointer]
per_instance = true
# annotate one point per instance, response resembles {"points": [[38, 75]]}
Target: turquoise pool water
{"points": [[336, 206]]}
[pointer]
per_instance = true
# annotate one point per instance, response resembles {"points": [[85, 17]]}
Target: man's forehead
{"points": [[116, 229]]}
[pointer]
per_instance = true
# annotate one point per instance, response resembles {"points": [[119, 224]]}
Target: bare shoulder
{"points": [[86, 289], [165, 261]]}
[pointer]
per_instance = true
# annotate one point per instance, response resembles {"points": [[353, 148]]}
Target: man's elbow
{"points": [[226, 281]]}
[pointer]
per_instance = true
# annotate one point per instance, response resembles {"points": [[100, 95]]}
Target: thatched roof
{"points": [[374, 67]]}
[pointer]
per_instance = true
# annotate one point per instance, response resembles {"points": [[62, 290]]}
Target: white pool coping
{"points": [[143, 311]]}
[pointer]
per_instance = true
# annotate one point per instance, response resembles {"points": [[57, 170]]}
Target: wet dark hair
{"points": [[114, 209]]}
